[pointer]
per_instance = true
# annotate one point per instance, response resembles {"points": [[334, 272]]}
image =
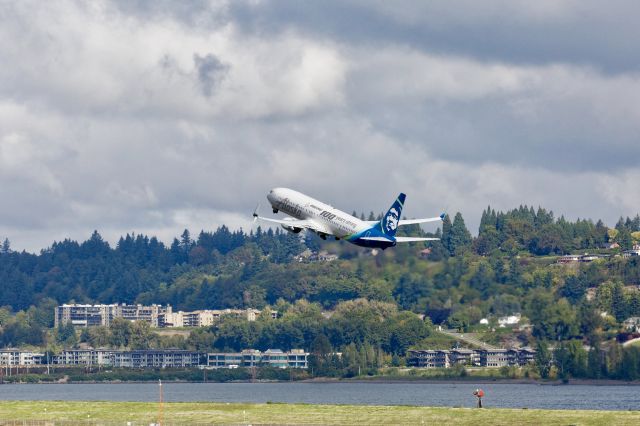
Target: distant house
{"points": [[569, 258], [304, 256], [311, 256], [631, 253], [484, 321], [591, 294], [324, 256], [573, 258], [632, 324], [589, 257], [509, 320], [424, 254]]}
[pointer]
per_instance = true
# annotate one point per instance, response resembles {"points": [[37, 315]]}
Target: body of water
{"points": [[581, 397]]}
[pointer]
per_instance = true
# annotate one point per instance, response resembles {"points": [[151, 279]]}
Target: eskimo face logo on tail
{"points": [[391, 221]]}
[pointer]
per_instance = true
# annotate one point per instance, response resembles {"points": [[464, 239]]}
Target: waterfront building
{"points": [[156, 359], [86, 357], [438, 358], [171, 358], [297, 358], [16, 357], [495, 358], [464, 356], [428, 358]]}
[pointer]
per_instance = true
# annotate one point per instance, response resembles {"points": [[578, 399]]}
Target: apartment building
{"points": [[205, 318], [15, 357], [156, 359], [496, 358], [129, 359], [428, 358], [82, 315], [297, 358]]}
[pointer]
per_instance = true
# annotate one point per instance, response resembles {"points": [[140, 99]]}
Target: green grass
{"points": [[220, 413], [436, 341]]}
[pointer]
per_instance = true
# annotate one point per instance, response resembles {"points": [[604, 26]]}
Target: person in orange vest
{"points": [[479, 393]]}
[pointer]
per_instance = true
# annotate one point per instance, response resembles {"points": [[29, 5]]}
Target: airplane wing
{"points": [[414, 239], [290, 222], [295, 223]]}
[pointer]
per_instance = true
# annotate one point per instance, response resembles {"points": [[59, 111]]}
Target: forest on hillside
{"points": [[509, 267]]}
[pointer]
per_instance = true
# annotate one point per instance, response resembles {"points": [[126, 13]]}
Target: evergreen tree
{"points": [[618, 302], [460, 239], [624, 239], [6, 247], [185, 242], [446, 234]]}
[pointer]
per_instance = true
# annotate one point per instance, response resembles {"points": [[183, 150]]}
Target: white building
{"points": [[632, 324], [297, 358], [205, 318], [631, 253], [15, 357], [84, 315], [509, 320]]}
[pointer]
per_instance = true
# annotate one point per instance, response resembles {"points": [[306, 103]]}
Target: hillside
{"points": [[510, 267]]}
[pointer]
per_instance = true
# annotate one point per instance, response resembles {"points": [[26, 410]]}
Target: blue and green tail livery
{"points": [[389, 223]]}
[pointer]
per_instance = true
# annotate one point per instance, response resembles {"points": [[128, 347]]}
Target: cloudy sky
{"points": [[152, 117]]}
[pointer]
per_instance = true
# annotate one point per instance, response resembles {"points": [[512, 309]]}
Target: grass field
{"points": [[139, 413]]}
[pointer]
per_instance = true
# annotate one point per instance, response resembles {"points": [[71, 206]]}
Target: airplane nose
{"points": [[272, 196]]}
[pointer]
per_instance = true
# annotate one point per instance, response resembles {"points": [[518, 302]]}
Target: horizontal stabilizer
{"points": [[375, 239], [414, 239], [425, 220], [413, 221]]}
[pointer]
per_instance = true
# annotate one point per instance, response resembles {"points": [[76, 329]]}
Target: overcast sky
{"points": [[152, 117]]}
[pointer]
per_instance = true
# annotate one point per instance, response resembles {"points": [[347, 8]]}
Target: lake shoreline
{"points": [[372, 380], [498, 394]]}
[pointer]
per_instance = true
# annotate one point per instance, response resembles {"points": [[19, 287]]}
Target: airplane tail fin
{"points": [[389, 222]]}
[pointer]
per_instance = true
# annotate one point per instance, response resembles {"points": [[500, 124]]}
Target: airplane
{"points": [[316, 216]]}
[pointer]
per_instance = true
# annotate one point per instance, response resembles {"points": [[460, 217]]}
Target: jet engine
{"points": [[291, 228]]}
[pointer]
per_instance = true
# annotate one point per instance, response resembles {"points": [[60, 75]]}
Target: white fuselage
{"points": [[330, 221]]}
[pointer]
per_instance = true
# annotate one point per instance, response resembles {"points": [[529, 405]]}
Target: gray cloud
{"points": [[210, 72], [157, 116], [524, 32]]}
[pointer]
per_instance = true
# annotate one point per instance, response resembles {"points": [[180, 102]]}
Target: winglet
{"points": [[442, 216], [255, 212]]}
